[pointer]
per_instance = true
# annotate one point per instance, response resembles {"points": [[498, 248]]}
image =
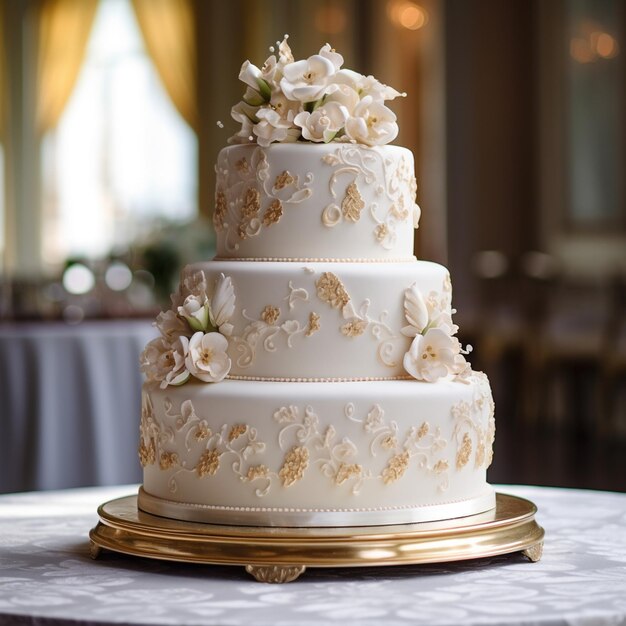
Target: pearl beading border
{"points": [[278, 379], [314, 260]]}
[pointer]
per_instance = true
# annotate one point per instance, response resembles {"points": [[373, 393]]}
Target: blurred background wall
{"points": [[109, 130]]}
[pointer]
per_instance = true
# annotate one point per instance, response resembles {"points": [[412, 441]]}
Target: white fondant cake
{"points": [[310, 375]]}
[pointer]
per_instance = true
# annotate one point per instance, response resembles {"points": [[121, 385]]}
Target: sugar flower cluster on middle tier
{"points": [[435, 352], [194, 333]]}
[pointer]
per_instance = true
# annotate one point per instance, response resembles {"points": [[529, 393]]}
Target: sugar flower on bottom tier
{"points": [[194, 333], [312, 100]]}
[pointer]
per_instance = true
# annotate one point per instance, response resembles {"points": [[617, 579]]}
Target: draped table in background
{"points": [[70, 403], [47, 576]]}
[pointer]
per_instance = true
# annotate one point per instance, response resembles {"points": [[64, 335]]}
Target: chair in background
{"points": [[612, 416], [563, 354]]}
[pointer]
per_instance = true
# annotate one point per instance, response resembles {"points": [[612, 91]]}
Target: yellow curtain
{"points": [[3, 81], [64, 28], [168, 30]]}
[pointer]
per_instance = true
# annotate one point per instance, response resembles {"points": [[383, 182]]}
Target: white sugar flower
{"points": [[352, 79], [342, 94], [372, 123], [432, 356], [285, 56], [332, 55], [423, 314], [272, 127], [415, 311], [306, 80], [222, 304], [324, 123], [252, 76], [195, 309], [170, 325], [271, 71], [370, 86], [206, 358], [164, 362]]}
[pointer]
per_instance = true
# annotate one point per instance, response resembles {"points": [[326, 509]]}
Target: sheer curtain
{"points": [[3, 91], [167, 27], [64, 28]]}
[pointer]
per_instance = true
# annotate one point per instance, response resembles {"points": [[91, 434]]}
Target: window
{"points": [[582, 136], [121, 160], [594, 131]]}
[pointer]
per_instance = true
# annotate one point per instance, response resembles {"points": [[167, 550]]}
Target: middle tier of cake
{"points": [[322, 321]]}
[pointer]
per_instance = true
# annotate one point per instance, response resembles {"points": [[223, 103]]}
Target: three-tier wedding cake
{"points": [[309, 375]]}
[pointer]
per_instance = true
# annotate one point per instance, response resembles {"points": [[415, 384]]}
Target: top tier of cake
{"points": [[303, 201]]}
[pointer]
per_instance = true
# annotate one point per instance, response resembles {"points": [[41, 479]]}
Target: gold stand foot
{"points": [[94, 550], [275, 573], [534, 553]]}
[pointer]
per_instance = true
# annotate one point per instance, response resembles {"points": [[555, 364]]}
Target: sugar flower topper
{"points": [[312, 100]]}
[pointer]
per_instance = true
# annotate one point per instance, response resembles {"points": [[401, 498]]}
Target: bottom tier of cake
{"points": [[317, 454]]}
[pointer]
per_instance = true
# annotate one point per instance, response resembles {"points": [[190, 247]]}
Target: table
{"points": [[47, 575], [70, 403]]}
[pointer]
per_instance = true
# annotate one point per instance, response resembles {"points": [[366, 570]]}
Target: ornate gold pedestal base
{"points": [[278, 555]]}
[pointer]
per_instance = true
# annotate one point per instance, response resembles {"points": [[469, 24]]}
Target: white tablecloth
{"points": [[46, 574], [70, 403]]}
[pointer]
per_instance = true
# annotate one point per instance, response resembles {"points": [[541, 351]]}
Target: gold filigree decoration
{"points": [[262, 333], [273, 213], [147, 453], [167, 460], [257, 471], [352, 204], [209, 463], [465, 451], [314, 324], [270, 314], [208, 442], [331, 290], [381, 232], [354, 328], [474, 428], [295, 463], [242, 166], [441, 466], [202, 432], [256, 196], [421, 445], [396, 467], [399, 210], [389, 181], [283, 179], [249, 224], [480, 454], [220, 210], [236, 432], [347, 471], [252, 203], [389, 442]]}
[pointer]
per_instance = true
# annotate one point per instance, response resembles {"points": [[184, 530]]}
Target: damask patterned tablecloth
{"points": [[48, 577]]}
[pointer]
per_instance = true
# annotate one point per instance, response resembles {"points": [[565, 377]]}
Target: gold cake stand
{"points": [[278, 555]]}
